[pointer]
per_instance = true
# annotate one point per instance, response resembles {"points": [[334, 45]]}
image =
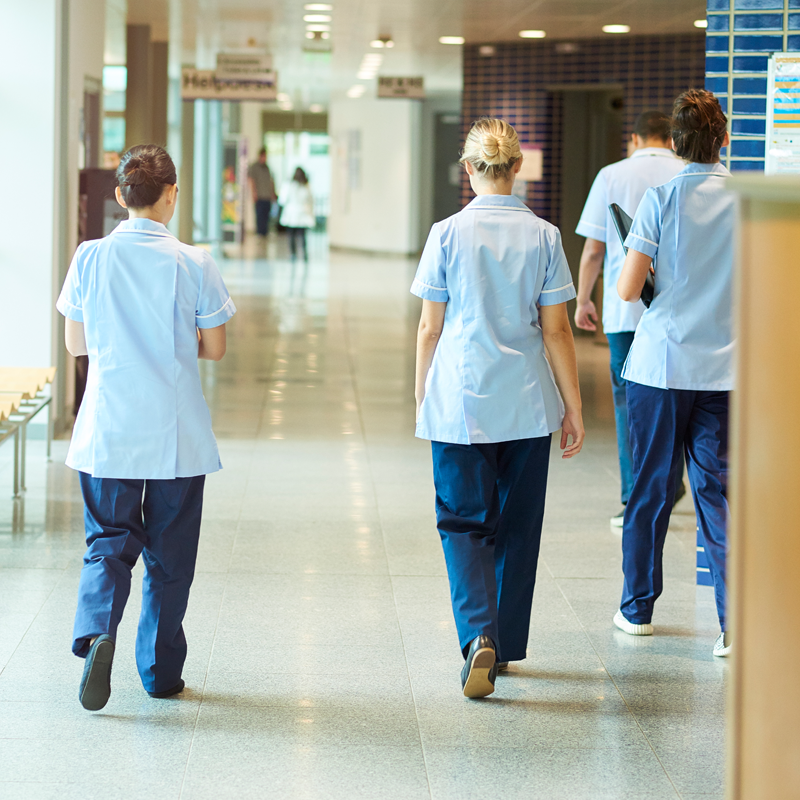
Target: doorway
{"points": [[591, 132]]}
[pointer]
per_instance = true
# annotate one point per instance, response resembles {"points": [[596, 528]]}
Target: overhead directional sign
{"points": [[413, 88], [199, 84], [244, 67]]}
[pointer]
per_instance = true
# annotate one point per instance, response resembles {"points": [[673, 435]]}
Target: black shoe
{"points": [[502, 666], [176, 689], [680, 493], [480, 669], [96, 681]]}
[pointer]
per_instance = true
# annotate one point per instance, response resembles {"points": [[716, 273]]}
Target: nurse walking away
{"points": [[144, 307], [680, 367], [494, 283], [625, 182]]}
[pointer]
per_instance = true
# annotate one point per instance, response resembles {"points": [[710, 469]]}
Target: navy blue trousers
{"points": [[159, 519], [489, 511], [664, 423], [619, 344]]}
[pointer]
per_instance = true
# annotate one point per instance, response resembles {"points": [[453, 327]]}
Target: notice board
{"points": [[783, 115]]}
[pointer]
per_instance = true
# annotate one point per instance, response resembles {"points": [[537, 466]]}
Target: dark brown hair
{"points": [[300, 176], [653, 125], [698, 126], [143, 172]]}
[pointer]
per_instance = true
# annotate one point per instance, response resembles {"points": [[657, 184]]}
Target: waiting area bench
{"points": [[22, 397]]}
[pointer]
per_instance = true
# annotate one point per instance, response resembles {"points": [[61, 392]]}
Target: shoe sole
{"points": [[478, 683], [631, 628], [97, 688]]}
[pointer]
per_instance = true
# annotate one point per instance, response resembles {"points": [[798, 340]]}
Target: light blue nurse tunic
{"points": [[492, 263], [141, 295], [685, 339]]}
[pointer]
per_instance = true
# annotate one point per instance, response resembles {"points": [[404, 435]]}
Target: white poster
{"points": [[783, 115]]}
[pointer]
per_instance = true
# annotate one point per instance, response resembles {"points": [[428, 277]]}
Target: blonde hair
{"points": [[492, 147]]}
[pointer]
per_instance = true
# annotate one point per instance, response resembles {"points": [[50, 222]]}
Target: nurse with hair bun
{"points": [[494, 284]]}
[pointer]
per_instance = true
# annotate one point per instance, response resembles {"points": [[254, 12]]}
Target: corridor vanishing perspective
{"points": [[323, 660]]}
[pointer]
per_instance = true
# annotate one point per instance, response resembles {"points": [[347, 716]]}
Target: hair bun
{"points": [[495, 149], [492, 147]]}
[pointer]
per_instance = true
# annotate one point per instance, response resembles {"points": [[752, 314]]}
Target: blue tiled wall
{"points": [[513, 82], [741, 36]]}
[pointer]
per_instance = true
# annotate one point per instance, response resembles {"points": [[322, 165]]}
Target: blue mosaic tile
{"points": [[750, 86], [794, 3], [749, 105], [750, 63], [716, 64], [717, 85], [718, 22], [723, 104], [793, 44], [747, 166], [758, 22], [757, 5], [748, 127], [717, 44], [718, 5], [794, 22], [747, 148], [757, 44]]}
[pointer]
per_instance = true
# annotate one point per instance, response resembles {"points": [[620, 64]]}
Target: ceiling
{"points": [[198, 29]]}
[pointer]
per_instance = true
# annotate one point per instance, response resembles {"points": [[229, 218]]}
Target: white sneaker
{"points": [[630, 627], [616, 522], [722, 647]]}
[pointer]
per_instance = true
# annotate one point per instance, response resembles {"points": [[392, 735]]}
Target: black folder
{"points": [[622, 222]]}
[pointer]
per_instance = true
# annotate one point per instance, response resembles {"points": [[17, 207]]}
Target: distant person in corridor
{"points": [[297, 211], [494, 284], [679, 372], [625, 182], [262, 189], [144, 308]]}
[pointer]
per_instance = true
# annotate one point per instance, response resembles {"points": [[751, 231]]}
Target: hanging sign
{"points": [[783, 115], [244, 67], [199, 84], [412, 88]]}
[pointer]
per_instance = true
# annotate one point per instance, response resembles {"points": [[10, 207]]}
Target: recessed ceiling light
{"points": [[282, 97], [701, 23], [309, 34], [487, 50], [389, 44], [318, 7], [318, 27], [451, 40], [356, 91], [532, 34], [616, 28], [376, 43], [317, 18], [325, 35]]}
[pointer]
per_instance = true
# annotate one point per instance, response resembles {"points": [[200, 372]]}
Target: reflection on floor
{"points": [[323, 661]]}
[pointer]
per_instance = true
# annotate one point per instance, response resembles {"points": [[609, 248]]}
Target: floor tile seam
{"points": [[617, 687], [357, 394]]}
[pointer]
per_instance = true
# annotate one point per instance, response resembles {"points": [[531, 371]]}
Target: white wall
{"points": [[45, 52], [375, 195]]}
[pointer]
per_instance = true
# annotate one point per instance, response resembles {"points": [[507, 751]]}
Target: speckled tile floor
{"points": [[323, 661]]}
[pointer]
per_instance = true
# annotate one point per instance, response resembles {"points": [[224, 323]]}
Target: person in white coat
{"points": [[297, 211]]}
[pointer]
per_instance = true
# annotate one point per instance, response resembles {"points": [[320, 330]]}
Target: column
{"points": [[138, 108]]}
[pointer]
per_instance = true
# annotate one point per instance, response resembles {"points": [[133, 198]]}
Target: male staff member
{"points": [[262, 188], [652, 163]]}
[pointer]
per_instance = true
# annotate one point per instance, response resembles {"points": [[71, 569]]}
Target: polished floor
{"points": [[323, 661]]}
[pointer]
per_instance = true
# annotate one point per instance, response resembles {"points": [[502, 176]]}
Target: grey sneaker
{"points": [[616, 522], [722, 647]]}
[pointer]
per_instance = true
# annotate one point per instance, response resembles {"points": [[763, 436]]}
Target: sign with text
{"points": [[244, 67], [200, 84], [411, 88], [783, 115]]}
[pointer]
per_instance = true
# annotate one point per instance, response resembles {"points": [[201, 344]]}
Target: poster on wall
{"points": [[783, 115]]}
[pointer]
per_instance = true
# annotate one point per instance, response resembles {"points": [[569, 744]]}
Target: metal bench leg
{"points": [[23, 447], [49, 430], [16, 463]]}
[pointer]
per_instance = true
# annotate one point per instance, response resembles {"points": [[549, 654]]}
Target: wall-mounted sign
{"points": [[783, 115], [413, 88], [244, 67], [198, 84], [531, 169]]}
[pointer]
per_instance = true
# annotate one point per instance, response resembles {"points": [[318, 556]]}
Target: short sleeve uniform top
{"points": [[685, 339], [624, 183], [493, 263], [141, 295]]}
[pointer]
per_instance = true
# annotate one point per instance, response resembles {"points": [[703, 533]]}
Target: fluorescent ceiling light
{"points": [[317, 18], [320, 28], [532, 34], [616, 28], [366, 76], [376, 43], [701, 23], [318, 7], [451, 40], [356, 91]]}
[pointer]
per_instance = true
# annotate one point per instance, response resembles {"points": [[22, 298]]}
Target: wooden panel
{"points": [[28, 380], [764, 740]]}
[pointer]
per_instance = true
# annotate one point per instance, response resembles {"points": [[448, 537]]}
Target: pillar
{"points": [[138, 108]]}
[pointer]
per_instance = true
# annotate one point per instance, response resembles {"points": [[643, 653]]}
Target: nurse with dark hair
{"points": [[680, 366], [144, 307]]}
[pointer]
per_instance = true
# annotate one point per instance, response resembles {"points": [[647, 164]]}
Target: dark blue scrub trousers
{"points": [[489, 511], [619, 344], [124, 518], [663, 423]]}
